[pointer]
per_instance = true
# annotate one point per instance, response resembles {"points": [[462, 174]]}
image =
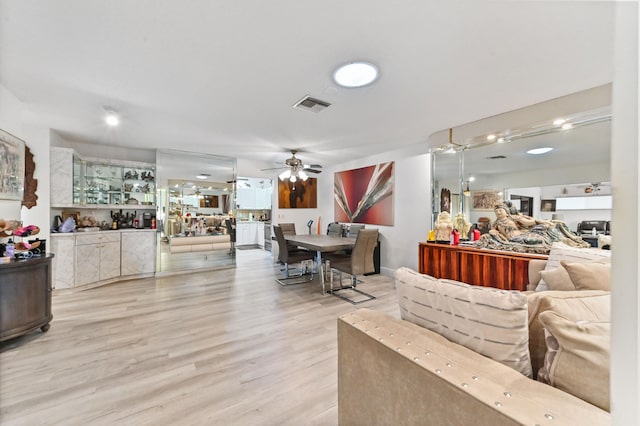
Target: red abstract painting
{"points": [[364, 195]]}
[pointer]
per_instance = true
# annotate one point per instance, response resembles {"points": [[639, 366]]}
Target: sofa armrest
{"points": [[535, 267], [393, 372]]}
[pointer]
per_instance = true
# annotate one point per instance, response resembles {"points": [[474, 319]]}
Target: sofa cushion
{"points": [[557, 279], [581, 362], [589, 305], [487, 320], [589, 276], [560, 252]]}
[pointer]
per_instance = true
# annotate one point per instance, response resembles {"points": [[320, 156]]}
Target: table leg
{"points": [[319, 269]]}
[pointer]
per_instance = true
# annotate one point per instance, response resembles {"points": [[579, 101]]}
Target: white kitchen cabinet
{"points": [[263, 198], [61, 176], [138, 252], [97, 257], [246, 198], [247, 233], [64, 247], [260, 234]]}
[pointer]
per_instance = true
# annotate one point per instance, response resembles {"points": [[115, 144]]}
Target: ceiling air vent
{"points": [[496, 157], [311, 104]]}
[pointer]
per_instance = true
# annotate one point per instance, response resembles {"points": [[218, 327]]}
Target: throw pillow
{"points": [[557, 279], [549, 357], [560, 252], [591, 305], [589, 276], [487, 320], [604, 242], [581, 364]]}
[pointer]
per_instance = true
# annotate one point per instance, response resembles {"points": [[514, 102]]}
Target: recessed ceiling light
{"points": [[355, 74], [500, 140], [203, 176], [112, 119], [538, 151], [491, 137], [559, 121], [567, 126]]}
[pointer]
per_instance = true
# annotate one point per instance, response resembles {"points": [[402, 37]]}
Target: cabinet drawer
{"points": [[106, 237]]}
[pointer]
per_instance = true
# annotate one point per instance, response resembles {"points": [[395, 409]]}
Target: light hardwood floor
{"points": [[230, 347]]}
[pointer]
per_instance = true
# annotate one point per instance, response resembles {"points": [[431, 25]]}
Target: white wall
{"points": [[14, 119], [37, 139], [625, 269], [12, 114]]}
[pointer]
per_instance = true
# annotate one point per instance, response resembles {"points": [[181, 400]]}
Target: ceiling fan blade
{"points": [[312, 166], [313, 171], [274, 168]]}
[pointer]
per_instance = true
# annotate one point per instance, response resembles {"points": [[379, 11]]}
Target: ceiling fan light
{"points": [[293, 178], [302, 175], [284, 175]]}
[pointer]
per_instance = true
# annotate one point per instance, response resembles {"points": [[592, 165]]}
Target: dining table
{"points": [[321, 244]]}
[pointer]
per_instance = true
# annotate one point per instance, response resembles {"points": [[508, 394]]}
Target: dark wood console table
{"points": [[483, 267], [25, 296]]}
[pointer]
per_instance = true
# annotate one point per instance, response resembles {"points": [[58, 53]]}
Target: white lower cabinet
{"points": [[97, 257], [64, 247], [261, 234], [138, 255], [247, 233]]}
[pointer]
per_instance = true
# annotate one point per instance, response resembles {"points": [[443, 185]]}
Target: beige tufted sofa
{"points": [[405, 372], [199, 243], [393, 372]]}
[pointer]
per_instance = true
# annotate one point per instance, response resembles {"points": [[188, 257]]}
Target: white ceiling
{"points": [[221, 77]]}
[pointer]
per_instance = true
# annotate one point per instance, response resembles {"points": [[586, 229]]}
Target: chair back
{"points": [[230, 230], [362, 254], [288, 228], [283, 250], [354, 229], [334, 229]]}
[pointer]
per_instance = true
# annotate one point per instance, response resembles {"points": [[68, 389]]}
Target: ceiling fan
{"points": [[594, 187], [296, 169]]}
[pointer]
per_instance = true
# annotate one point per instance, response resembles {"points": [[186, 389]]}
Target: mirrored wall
{"points": [[549, 168], [195, 199]]}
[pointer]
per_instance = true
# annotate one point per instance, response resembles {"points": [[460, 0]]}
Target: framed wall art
{"points": [[364, 195], [485, 200], [548, 205], [12, 152], [298, 195]]}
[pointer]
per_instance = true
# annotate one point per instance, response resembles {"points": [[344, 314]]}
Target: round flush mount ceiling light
{"points": [[111, 117], [538, 151], [356, 74]]}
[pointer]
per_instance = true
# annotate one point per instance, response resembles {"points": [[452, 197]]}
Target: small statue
{"points": [[462, 225], [513, 231], [444, 227]]}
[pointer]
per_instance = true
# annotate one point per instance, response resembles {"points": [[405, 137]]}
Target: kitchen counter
{"points": [[89, 259], [72, 234]]}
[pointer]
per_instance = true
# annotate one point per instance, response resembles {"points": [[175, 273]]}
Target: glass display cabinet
{"points": [[107, 184]]}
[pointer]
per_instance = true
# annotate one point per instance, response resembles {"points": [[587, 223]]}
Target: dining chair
{"points": [[359, 262], [231, 230], [288, 256], [289, 229], [334, 229], [354, 228]]}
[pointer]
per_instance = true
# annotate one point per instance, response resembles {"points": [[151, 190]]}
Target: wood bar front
{"points": [[483, 267]]}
